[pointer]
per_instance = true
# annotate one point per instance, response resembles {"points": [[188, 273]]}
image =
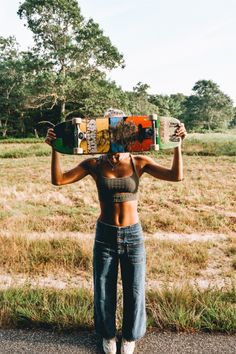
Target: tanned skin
{"points": [[125, 213]]}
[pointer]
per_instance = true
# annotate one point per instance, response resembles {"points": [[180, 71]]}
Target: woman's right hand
{"points": [[50, 136]]}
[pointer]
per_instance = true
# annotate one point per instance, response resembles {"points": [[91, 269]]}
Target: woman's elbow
{"points": [[179, 179], [56, 183]]}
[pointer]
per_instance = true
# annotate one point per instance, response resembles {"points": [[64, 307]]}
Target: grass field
{"points": [[46, 239]]}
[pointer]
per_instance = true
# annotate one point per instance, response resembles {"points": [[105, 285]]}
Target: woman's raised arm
{"points": [[58, 177], [175, 173]]}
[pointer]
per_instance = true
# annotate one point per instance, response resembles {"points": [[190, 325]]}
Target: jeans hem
{"points": [[131, 339], [105, 337]]}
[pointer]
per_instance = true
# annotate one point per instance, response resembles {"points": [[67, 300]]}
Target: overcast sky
{"points": [[167, 44]]}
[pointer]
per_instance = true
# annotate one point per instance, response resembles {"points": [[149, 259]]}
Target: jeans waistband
{"points": [[112, 233], [114, 227]]}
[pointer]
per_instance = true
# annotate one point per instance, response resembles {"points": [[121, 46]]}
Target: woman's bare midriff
{"points": [[119, 214]]}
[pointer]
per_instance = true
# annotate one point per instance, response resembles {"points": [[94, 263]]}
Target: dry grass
{"points": [[175, 260], [19, 255], [36, 257]]}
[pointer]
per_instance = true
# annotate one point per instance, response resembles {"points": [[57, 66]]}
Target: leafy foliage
{"points": [[12, 77], [71, 49], [172, 105], [209, 108]]}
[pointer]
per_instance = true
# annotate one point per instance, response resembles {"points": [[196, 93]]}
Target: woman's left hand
{"points": [[181, 131]]}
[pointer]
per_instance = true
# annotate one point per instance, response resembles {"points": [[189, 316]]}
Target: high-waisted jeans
{"points": [[124, 245]]}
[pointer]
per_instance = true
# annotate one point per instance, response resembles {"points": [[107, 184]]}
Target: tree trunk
{"points": [[63, 110], [22, 123], [36, 134], [4, 128], [63, 101]]}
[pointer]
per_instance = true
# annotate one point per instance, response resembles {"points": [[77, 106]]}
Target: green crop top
{"points": [[117, 190]]}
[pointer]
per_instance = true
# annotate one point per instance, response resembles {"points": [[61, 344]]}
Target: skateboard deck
{"points": [[116, 134]]}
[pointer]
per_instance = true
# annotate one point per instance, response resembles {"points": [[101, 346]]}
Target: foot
{"points": [[127, 347], [109, 345]]}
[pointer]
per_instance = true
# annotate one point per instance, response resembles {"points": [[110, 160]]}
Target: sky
{"points": [[167, 44]]}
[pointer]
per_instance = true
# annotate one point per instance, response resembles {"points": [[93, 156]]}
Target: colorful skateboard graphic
{"points": [[116, 134]]}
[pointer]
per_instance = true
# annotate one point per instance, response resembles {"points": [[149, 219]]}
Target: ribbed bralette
{"points": [[119, 189]]}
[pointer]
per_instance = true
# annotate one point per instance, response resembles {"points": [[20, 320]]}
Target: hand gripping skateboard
{"points": [[116, 134]]}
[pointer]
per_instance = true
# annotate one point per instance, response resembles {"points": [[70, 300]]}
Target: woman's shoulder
{"points": [[142, 160], [91, 164]]}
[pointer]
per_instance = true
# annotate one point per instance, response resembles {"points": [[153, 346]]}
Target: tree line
{"points": [[64, 75]]}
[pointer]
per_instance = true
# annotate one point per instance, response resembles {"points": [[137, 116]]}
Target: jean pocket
{"points": [[103, 250], [136, 253], [101, 243]]}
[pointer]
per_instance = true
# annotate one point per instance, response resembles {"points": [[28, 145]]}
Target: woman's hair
{"points": [[114, 112]]}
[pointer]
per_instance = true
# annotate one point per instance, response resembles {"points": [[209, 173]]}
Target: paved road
{"points": [[35, 342]]}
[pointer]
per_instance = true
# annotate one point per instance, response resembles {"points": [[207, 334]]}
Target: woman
{"points": [[119, 237]]}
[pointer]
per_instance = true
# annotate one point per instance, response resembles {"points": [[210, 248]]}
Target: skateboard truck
{"points": [[155, 145], [78, 136]]}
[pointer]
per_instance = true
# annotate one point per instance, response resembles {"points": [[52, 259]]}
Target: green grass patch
{"points": [[21, 140], [24, 150], [191, 309], [210, 144], [185, 309], [39, 308]]}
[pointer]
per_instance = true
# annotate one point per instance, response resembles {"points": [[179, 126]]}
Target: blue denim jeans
{"points": [[124, 245]]}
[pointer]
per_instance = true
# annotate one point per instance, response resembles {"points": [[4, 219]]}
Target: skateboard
{"points": [[116, 134]]}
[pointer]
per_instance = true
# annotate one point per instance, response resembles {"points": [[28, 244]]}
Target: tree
{"points": [[232, 124], [11, 84], [139, 100], [172, 105], [72, 49], [177, 105], [209, 108]]}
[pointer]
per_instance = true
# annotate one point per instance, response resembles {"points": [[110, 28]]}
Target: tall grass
{"points": [[191, 309], [44, 261], [19, 255], [168, 259], [179, 309], [46, 308]]}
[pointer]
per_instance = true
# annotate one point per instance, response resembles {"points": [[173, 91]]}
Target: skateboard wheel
{"points": [[152, 117], [78, 151], [81, 136], [155, 147], [76, 120]]}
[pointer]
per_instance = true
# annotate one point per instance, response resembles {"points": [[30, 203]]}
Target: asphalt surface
{"points": [[29, 341]]}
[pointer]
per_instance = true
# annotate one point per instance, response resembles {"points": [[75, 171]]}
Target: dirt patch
{"points": [[189, 237], [69, 281], [158, 235]]}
